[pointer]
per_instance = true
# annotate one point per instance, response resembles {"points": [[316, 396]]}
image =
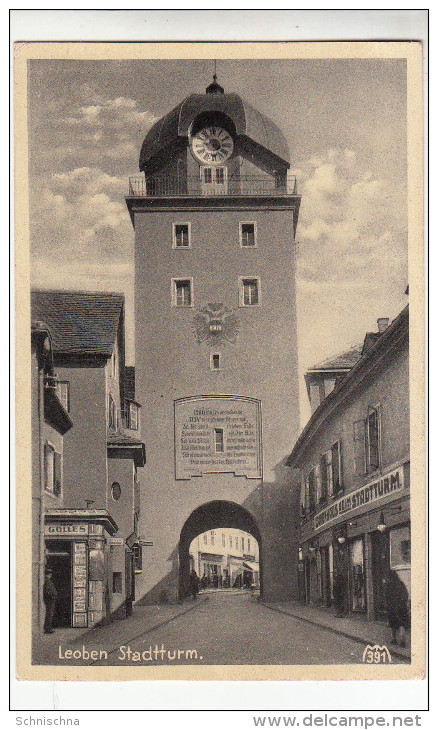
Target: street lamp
{"points": [[382, 524]]}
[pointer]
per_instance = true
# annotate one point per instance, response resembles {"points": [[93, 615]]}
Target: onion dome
{"points": [[256, 137]]}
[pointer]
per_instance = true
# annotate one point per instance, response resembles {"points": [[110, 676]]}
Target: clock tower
{"points": [[215, 213]]}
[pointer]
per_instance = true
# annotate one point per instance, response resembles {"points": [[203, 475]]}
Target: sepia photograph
{"points": [[219, 248]]}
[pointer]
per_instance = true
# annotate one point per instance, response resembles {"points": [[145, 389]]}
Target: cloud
{"points": [[350, 222], [85, 125], [81, 216]]}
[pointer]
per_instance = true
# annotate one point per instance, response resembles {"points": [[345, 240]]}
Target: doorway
{"points": [[59, 560], [214, 180], [380, 570]]}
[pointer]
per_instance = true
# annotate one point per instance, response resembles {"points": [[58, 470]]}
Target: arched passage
{"points": [[210, 516]]}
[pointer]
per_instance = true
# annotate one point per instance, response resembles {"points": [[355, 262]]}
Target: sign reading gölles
{"points": [[218, 434]]}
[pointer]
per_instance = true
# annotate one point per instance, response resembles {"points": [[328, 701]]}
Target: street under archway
{"points": [[210, 516]]}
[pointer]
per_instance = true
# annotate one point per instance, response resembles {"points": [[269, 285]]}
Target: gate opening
{"points": [[218, 522]]}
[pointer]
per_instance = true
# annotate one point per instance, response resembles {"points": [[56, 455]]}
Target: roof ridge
{"points": [[75, 292]]}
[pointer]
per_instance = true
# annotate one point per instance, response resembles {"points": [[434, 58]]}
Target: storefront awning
{"points": [[254, 567]]}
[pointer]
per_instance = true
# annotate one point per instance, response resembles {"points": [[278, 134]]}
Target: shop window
{"points": [[117, 583], [247, 234], [357, 576], [400, 548], [249, 292], [63, 392], [52, 470], [181, 235], [182, 292]]}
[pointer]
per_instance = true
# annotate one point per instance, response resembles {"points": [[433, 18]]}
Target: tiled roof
{"points": [[345, 361], [79, 322]]}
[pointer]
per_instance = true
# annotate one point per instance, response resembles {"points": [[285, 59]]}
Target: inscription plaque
{"points": [[215, 434]]}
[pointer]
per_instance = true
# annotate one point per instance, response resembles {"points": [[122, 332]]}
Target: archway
{"points": [[210, 516]]}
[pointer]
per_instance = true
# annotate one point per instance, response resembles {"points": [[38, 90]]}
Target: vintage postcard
{"points": [[220, 446]]}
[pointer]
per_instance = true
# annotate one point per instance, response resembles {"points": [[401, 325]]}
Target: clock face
{"points": [[212, 145]]}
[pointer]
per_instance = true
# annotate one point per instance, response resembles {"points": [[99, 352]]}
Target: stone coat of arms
{"points": [[216, 324]]}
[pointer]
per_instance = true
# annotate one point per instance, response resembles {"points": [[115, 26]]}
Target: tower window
{"points": [[182, 292], [218, 440], [215, 361], [247, 232], [181, 235], [249, 292]]}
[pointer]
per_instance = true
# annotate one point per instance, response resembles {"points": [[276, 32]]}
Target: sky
{"points": [[345, 123]]}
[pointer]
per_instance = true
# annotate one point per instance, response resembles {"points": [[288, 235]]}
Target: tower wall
{"points": [[171, 364]]}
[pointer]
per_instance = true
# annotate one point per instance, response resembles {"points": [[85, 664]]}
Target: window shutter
{"points": [[57, 480], [318, 483], [323, 472], [359, 446], [336, 467], [312, 489], [373, 439]]}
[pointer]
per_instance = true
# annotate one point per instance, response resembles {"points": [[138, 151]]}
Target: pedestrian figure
{"points": [[397, 603], [50, 594], [194, 584], [340, 593]]}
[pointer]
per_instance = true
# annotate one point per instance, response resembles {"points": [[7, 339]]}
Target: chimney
{"points": [[382, 323]]}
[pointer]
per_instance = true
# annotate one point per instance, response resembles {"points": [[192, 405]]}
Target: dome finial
{"points": [[214, 88]]}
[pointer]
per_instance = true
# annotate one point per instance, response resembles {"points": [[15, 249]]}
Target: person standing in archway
{"points": [[194, 584]]}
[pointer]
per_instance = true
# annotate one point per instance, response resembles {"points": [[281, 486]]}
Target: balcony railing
{"points": [[160, 186]]}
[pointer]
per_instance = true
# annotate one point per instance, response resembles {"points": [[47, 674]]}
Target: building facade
{"points": [[90, 526], [50, 421], [215, 215], [226, 559], [353, 456]]}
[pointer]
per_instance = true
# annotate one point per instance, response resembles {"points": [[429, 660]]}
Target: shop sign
{"points": [[116, 541], [366, 495], [79, 584], [60, 529]]}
